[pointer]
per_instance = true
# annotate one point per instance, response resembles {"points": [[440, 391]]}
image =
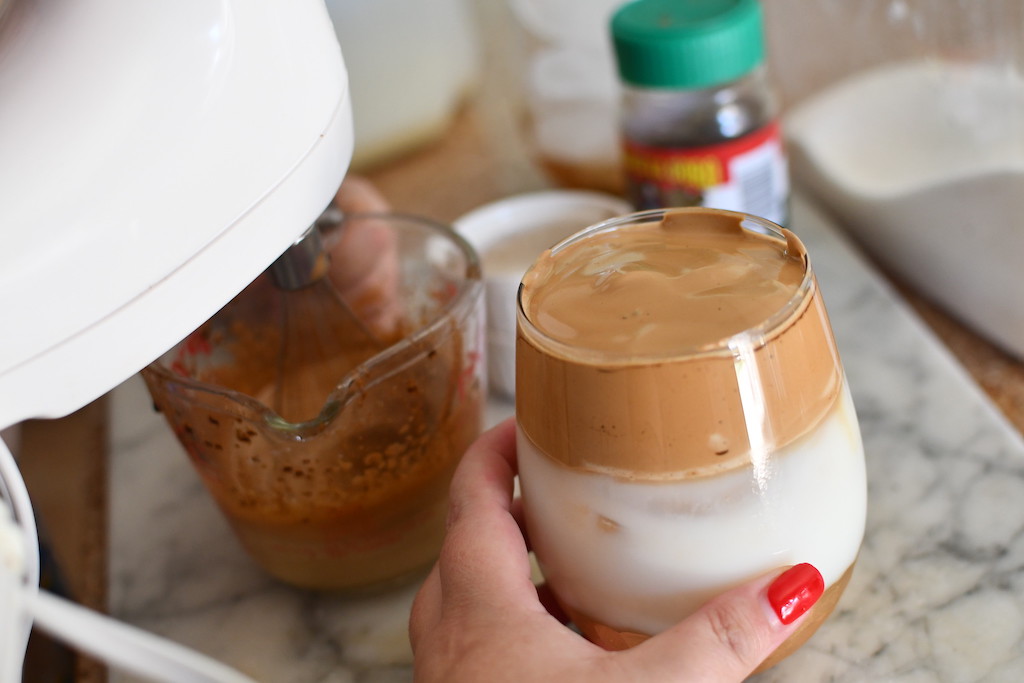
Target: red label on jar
{"points": [[744, 174]]}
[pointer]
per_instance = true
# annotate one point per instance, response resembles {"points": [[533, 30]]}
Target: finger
{"points": [[365, 269], [484, 479], [484, 561], [364, 252], [426, 608], [544, 592], [733, 633], [364, 256], [358, 195]]}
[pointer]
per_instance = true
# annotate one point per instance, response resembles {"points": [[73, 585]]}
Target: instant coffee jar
{"points": [[699, 119]]}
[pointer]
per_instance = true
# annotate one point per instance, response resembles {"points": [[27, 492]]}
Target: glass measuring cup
{"points": [[354, 498], [684, 422]]}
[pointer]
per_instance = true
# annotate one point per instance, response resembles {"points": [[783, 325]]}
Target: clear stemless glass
{"points": [[684, 421]]}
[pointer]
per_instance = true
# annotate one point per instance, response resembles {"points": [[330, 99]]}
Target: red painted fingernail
{"points": [[795, 591]]}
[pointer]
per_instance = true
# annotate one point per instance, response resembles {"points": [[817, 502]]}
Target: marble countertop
{"points": [[936, 594]]}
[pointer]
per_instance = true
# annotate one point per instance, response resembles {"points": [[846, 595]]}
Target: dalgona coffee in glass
{"points": [[684, 421]]}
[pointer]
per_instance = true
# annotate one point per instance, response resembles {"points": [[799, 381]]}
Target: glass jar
{"points": [[699, 118]]}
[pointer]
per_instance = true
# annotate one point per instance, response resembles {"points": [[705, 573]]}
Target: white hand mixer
{"points": [[157, 158]]}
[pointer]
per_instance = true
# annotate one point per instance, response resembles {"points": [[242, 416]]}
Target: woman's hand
{"points": [[478, 616]]}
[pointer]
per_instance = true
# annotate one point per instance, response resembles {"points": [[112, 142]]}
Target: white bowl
{"points": [[509, 235]]}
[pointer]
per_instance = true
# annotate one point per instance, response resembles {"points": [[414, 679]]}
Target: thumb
{"points": [[733, 633]]}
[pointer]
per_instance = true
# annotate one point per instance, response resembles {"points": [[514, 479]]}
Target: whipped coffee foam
{"points": [[684, 283], [652, 334]]}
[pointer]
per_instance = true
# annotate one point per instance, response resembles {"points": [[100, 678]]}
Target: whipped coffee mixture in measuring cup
{"points": [[684, 421], [353, 496]]}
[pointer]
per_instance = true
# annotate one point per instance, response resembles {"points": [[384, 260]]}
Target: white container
{"points": [[509, 235], [410, 64], [572, 90], [923, 162]]}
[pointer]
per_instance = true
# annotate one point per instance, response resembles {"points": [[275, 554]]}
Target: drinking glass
{"points": [[684, 420]]}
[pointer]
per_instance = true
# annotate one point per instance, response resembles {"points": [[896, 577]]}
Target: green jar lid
{"points": [[687, 43]]}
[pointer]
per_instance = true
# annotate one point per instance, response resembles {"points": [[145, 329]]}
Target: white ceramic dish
{"points": [[509, 235], [922, 162]]}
